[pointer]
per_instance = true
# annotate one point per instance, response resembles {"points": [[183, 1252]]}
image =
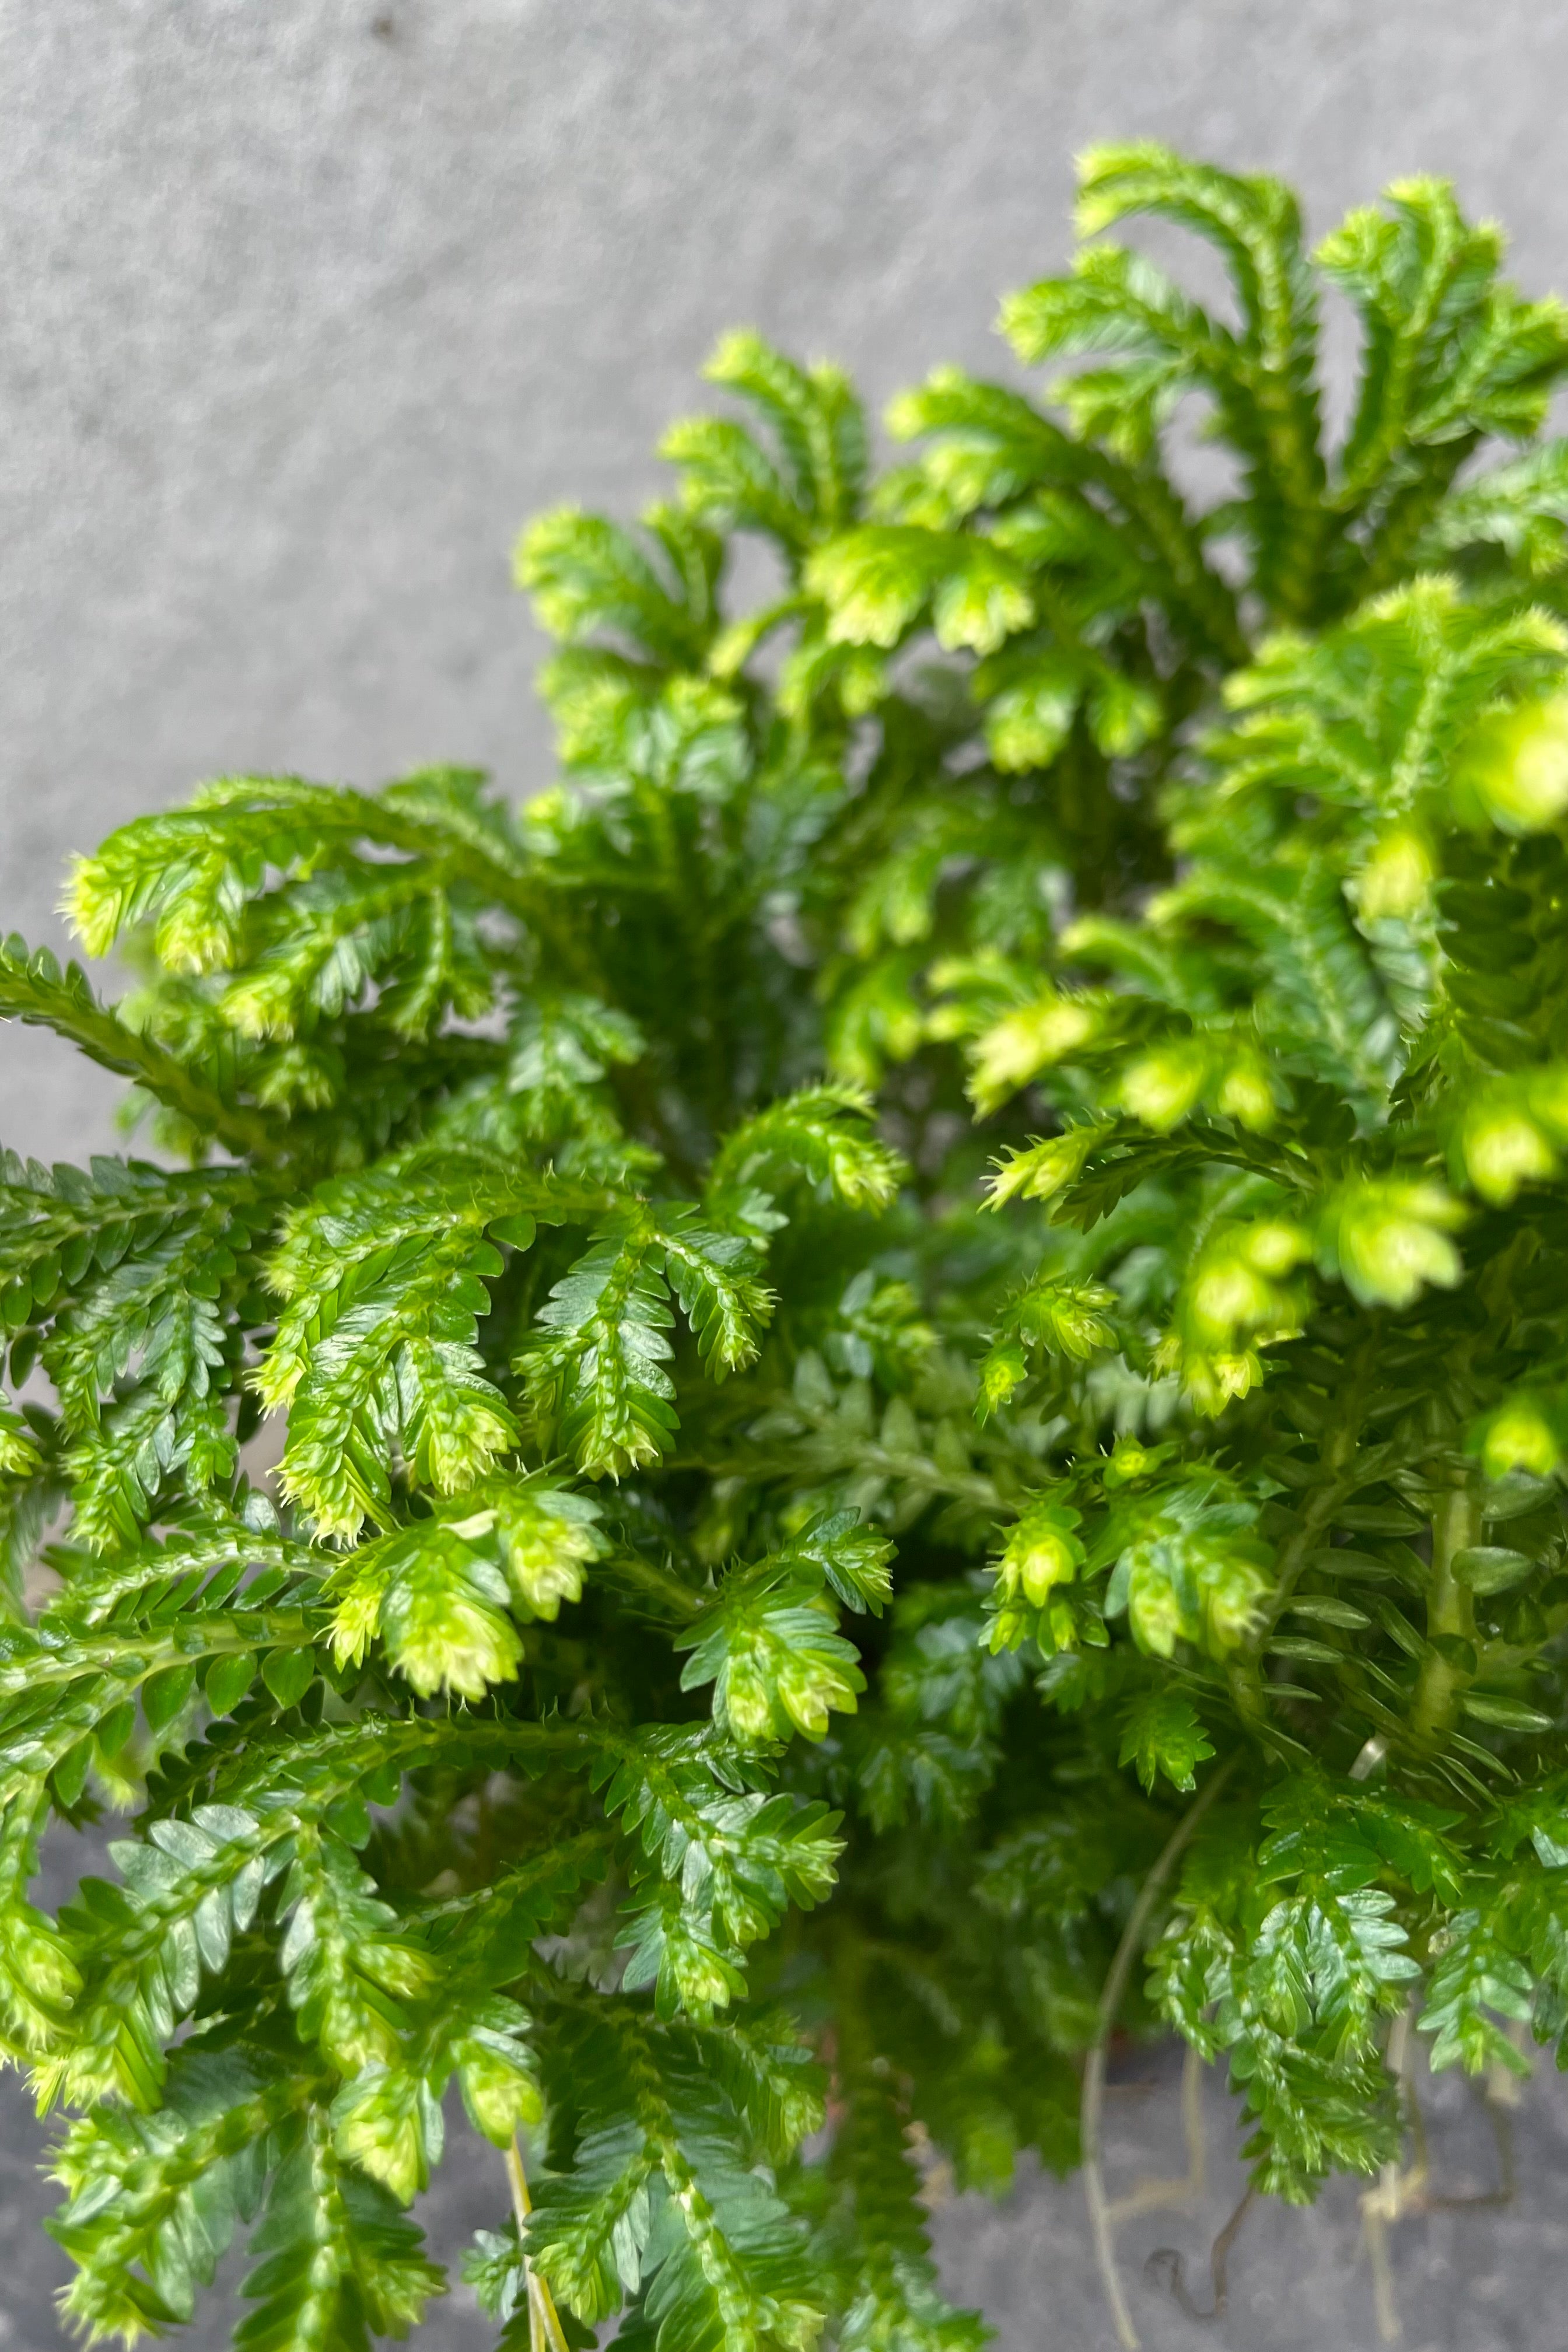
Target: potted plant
{"points": [[919, 1328]]}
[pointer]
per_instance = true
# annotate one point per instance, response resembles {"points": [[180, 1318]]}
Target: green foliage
{"points": [[952, 1247]]}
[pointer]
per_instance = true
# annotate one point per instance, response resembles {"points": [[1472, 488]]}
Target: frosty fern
{"points": [[933, 1295]]}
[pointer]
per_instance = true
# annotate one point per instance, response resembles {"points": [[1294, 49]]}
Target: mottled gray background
{"points": [[308, 304]]}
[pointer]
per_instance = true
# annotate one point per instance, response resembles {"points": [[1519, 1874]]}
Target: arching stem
{"points": [[1092, 2105], [1451, 1618], [545, 2333]]}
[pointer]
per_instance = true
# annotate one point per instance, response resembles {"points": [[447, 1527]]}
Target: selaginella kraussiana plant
{"points": [[754, 1608]]}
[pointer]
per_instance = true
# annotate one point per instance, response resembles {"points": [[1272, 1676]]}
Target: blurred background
{"points": [[308, 304]]}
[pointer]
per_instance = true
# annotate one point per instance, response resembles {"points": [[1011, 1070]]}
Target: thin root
{"points": [[1165, 2265], [1158, 2196], [1402, 2192], [1091, 2111]]}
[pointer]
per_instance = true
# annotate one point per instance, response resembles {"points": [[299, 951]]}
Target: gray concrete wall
{"points": [[310, 302]]}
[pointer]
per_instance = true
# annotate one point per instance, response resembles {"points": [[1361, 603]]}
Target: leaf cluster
{"points": [[956, 1234]]}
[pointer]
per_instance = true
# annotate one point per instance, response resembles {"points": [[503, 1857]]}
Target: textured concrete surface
{"points": [[308, 306], [1468, 2274]]}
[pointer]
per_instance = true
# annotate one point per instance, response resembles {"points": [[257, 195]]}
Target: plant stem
{"points": [[1091, 2106], [1244, 1674], [1450, 1615], [545, 2333]]}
